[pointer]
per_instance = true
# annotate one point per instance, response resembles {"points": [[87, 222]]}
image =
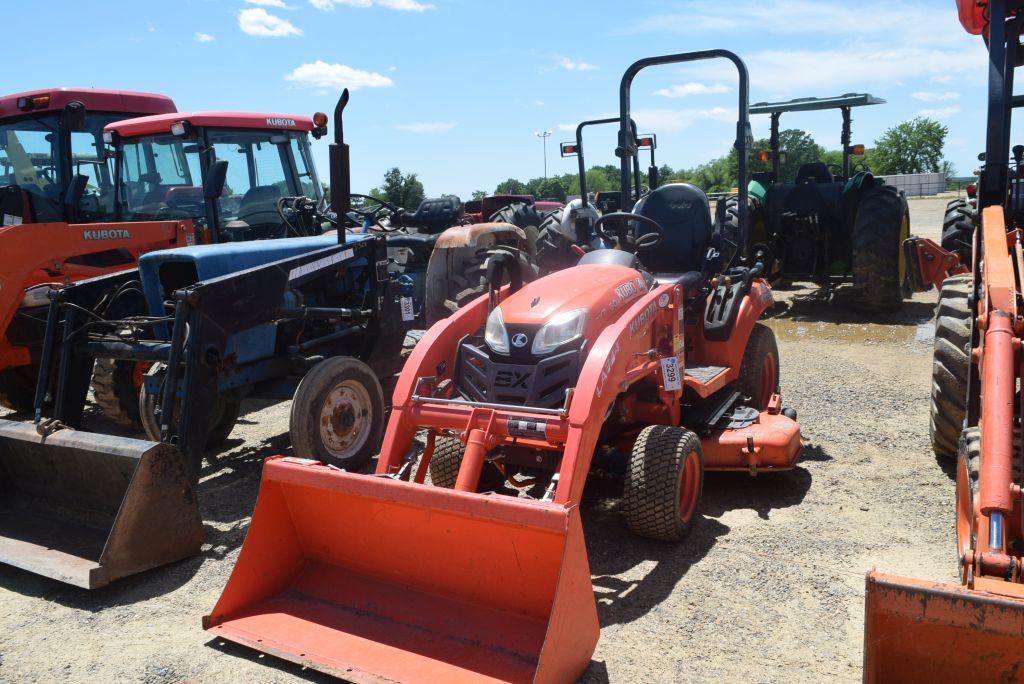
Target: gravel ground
{"points": [[769, 587]]}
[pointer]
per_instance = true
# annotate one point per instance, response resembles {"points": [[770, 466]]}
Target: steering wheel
{"points": [[373, 213], [836, 170], [621, 237]]}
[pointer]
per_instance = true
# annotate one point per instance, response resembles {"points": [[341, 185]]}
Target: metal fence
{"points": [[917, 184]]}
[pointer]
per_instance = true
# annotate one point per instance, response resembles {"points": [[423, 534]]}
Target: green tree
{"points": [[799, 147], [914, 146], [510, 187], [404, 190], [479, 194]]}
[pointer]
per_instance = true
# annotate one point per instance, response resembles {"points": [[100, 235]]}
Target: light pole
{"points": [[544, 138]]}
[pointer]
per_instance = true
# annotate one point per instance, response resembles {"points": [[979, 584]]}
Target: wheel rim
{"points": [[904, 234], [769, 368], [345, 419], [689, 486], [139, 370]]}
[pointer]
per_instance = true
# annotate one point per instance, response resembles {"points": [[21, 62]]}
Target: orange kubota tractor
{"points": [[922, 631], [53, 177], [649, 354]]}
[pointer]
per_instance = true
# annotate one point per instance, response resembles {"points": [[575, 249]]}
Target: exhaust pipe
{"points": [[87, 509]]}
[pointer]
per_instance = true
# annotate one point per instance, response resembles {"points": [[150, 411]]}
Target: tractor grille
{"points": [[538, 385]]}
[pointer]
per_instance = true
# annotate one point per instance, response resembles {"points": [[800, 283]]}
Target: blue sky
{"points": [[455, 89]]}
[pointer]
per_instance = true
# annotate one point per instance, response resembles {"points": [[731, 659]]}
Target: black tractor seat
{"points": [[683, 212], [435, 215], [814, 172]]}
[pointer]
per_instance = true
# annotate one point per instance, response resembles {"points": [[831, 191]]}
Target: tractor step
{"points": [[704, 373]]}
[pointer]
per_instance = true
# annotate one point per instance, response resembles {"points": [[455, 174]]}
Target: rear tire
{"points": [[116, 391], [337, 413], [951, 364], [554, 249], [958, 229], [727, 224], [18, 387], [446, 461], [661, 495], [525, 216], [759, 373], [881, 225]]}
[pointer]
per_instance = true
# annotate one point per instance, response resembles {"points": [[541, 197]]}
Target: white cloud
{"points": [[567, 127], [926, 96], [204, 37], [538, 103], [427, 127], [943, 79], [692, 88], [279, 4], [940, 113], [675, 120], [258, 22], [399, 5], [572, 65], [320, 74]]}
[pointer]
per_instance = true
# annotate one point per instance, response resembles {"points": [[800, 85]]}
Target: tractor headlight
{"points": [[563, 328], [495, 334]]}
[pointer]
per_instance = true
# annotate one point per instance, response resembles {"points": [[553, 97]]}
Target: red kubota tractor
{"points": [[646, 353], [54, 175], [922, 631]]}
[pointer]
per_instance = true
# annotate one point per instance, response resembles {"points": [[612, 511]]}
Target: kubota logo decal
{"points": [[607, 370], [630, 288], [106, 234], [519, 340], [280, 121], [643, 319]]}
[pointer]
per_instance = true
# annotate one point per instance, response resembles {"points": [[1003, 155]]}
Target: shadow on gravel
{"points": [[124, 592], [762, 494], [289, 668], [813, 308]]}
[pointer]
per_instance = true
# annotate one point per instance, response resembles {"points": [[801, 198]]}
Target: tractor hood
{"points": [[601, 289]]}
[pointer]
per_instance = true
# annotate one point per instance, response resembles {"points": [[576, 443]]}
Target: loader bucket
{"points": [[372, 579], [87, 509], [920, 631]]}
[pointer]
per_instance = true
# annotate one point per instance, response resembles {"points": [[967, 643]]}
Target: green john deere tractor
{"points": [[830, 225]]}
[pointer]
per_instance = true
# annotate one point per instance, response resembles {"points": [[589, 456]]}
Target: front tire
{"points": [[337, 413], [661, 495], [115, 388], [880, 227], [958, 229], [446, 461], [222, 419], [951, 364]]}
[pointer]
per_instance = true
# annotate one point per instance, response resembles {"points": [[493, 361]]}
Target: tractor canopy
{"points": [[50, 136], [264, 159]]}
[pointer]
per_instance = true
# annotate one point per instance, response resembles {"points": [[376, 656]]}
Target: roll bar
{"points": [[627, 143], [582, 164]]}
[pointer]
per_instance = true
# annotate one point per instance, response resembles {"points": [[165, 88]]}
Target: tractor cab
{"points": [[238, 176], [52, 166], [829, 224]]}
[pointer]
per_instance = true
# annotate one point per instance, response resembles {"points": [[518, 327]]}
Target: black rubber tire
{"points": [[969, 447], [18, 387], [951, 363], [650, 498], [525, 216], [727, 225], [222, 420], [751, 383], [445, 463], [554, 250], [958, 229], [473, 281], [877, 247], [115, 393], [308, 405]]}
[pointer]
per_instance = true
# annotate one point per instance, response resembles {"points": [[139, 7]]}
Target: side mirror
{"points": [[73, 197], [214, 185], [72, 117]]}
